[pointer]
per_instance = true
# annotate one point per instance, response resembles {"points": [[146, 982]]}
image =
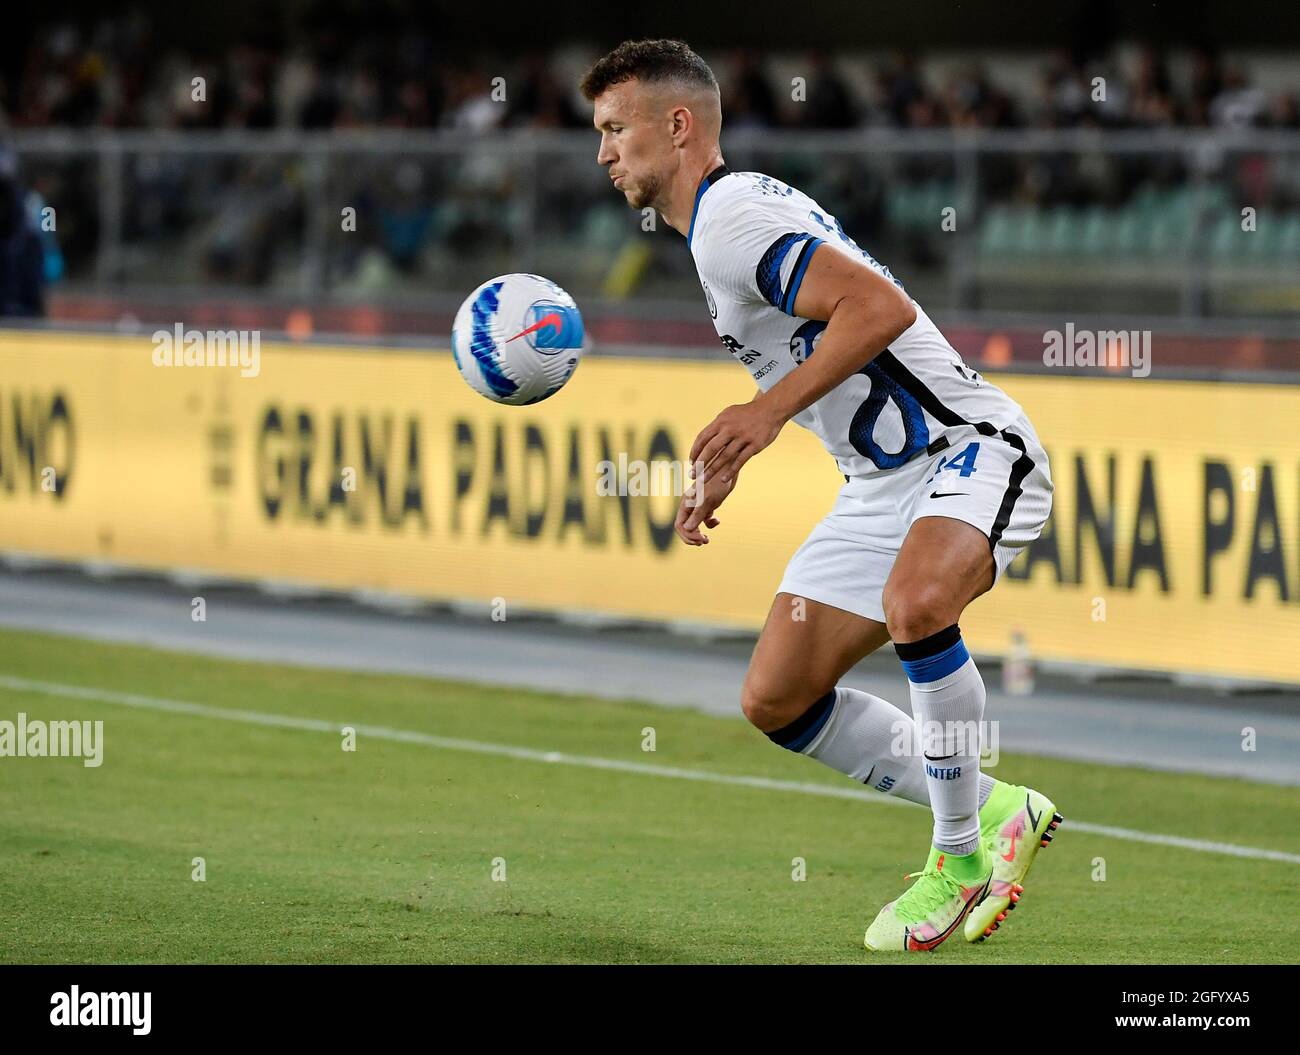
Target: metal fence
{"points": [[1191, 223]]}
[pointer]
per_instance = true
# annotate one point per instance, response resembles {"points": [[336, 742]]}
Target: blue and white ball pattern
{"points": [[517, 339]]}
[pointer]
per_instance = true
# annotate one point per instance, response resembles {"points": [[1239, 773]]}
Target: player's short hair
{"points": [[649, 61]]}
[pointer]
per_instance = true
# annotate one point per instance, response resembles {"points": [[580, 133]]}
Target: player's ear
{"points": [[680, 122]]}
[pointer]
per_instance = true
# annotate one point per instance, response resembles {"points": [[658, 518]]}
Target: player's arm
{"points": [[863, 311]]}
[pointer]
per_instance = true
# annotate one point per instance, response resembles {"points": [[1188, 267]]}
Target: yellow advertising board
{"points": [[1174, 542]]}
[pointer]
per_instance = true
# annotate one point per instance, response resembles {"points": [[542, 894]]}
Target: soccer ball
{"points": [[517, 339]]}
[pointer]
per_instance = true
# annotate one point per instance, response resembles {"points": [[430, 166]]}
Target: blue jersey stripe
{"points": [[796, 280], [767, 276]]}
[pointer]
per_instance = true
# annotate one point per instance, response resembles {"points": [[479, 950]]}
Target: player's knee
{"points": [[759, 706], [769, 705], [914, 612]]}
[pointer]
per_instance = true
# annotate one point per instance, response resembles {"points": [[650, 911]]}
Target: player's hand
{"points": [[732, 438], [695, 513]]}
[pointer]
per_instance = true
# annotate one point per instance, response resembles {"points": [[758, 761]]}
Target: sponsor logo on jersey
{"points": [[745, 355]]}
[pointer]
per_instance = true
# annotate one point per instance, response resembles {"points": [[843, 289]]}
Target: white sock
{"points": [[948, 702], [868, 739]]}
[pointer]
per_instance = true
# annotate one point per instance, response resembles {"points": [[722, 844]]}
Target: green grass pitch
{"points": [[386, 854]]}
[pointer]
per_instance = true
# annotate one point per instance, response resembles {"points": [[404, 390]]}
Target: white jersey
{"points": [[752, 237]]}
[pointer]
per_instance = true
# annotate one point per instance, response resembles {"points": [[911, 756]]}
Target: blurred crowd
{"points": [[115, 73], [270, 220]]}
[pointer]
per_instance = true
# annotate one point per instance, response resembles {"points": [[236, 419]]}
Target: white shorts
{"points": [[1000, 484]]}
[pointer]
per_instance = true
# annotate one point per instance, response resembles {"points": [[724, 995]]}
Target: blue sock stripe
{"points": [[804, 729], [932, 668]]}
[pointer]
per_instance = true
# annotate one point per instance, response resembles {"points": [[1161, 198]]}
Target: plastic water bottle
{"points": [[1018, 667]]}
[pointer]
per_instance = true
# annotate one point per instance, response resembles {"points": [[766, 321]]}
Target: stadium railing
{"points": [[1189, 223]]}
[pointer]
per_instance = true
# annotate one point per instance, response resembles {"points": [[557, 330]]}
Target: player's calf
{"points": [[948, 700], [857, 734]]}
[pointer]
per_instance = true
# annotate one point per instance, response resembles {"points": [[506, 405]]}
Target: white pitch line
{"points": [[448, 743]]}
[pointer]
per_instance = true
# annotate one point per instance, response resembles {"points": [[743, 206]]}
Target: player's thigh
{"points": [[989, 500], [942, 566], [804, 649]]}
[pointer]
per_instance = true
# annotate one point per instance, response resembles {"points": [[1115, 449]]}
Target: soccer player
{"points": [[944, 482]]}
